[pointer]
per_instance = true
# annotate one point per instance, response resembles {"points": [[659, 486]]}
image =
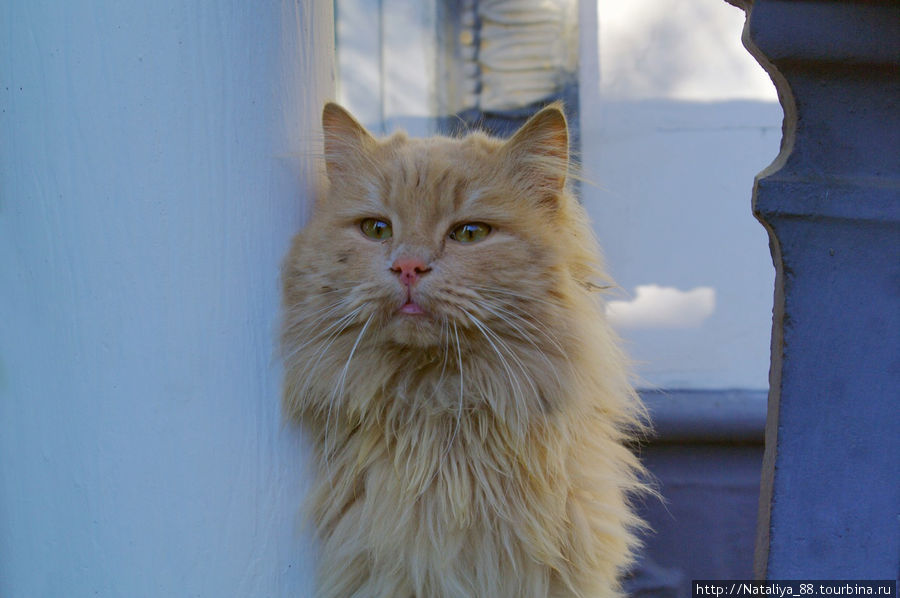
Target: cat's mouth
{"points": [[411, 324], [411, 307]]}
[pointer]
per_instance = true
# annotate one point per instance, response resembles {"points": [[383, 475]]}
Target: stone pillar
{"points": [[831, 204]]}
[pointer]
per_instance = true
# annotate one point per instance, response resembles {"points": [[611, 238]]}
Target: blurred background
{"points": [[672, 118]]}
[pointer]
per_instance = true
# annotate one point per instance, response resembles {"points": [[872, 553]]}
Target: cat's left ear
{"points": [[539, 151], [346, 141]]}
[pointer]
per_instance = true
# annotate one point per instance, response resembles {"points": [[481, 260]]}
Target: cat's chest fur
{"points": [[455, 502]]}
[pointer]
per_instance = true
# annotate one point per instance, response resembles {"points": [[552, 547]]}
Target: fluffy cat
{"points": [[445, 350]]}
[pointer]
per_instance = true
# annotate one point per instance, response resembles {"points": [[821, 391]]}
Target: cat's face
{"points": [[421, 239]]}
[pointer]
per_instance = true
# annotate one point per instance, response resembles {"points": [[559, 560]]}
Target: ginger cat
{"points": [[446, 350]]}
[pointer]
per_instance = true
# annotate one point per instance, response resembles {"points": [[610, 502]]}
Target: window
{"points": [[681, 120]]}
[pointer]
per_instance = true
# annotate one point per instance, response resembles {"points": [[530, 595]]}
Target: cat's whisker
{"points": [[312, 367], [311, 374], [538, 396], [518, 397], [463, 292], [306, 322], [518, 303], [516, 359], [351, 287], [318, 334], [330, 331], [339, 389], [445, 329], [445, 451], [525, 370], [459, 407], [526, 299], [489, 304], [346, 289], [496, 310], [362, 332]]}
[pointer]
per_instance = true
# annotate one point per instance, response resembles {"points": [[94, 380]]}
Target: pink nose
{"points": [[409, 269]]}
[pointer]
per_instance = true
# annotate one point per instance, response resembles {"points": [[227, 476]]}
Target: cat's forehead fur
{"points": [[419, 179], [441, 173]]}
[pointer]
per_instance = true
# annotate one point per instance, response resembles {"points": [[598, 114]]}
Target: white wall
{"points": [[155, 158]]}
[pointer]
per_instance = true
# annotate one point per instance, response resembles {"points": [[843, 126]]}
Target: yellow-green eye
{"points": [[470, 232], [376, 229]]}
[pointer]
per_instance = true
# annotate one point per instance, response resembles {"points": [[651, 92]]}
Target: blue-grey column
{"points": [[831, 203]]}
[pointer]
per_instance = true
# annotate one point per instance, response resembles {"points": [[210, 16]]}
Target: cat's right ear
{"points": [[346, 141], [539, 152]]}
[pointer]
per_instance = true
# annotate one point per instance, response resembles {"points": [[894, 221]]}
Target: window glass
{"points": [[676, 122]]}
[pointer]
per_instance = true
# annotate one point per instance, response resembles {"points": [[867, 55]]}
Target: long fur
{"points": [[479, 451]]}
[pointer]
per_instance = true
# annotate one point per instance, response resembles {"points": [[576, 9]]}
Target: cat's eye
{"points": [[377, 229], [470, 232]]}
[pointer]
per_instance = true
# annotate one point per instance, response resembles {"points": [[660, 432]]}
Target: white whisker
{"points": [[319, 334], [524, 298], [437, 385], [459, 407], [311, 370], [339, 389], [491, 306], [514, 383], [499, 313]]}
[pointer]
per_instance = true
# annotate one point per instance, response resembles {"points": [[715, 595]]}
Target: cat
{"points": [[446, 351]]}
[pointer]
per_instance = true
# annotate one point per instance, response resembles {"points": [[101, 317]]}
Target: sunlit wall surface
{"points": [[155, 160], [675, 125]]}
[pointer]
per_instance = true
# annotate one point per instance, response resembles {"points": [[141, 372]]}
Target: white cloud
{"points": [[663, 307], [677, 49]]}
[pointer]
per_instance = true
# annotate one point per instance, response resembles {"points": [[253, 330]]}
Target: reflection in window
{"points": [[501, 59], [446, 65]]}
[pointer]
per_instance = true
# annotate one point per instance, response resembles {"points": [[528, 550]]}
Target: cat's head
{"points": [[464, 257], [417, 237]]}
